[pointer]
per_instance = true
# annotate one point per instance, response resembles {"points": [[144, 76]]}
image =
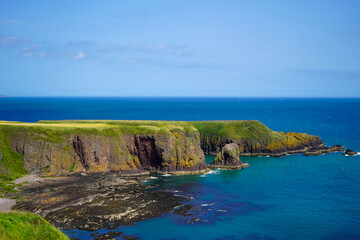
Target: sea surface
{"points": [[291, 197]]}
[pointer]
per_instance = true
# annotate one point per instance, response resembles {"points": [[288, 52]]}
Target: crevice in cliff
{"points": [[148, 154], [96, 158], [79, 148]]}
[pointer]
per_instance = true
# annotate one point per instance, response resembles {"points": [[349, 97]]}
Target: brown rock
{"points": [[228, 158]]}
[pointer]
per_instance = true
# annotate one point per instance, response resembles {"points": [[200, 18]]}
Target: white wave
{"points": [[207, 204], [154, 177], [211, 172]]}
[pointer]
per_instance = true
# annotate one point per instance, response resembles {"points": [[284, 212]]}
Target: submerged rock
{"points": [[228, 158], [109, 235], [349, 152]]}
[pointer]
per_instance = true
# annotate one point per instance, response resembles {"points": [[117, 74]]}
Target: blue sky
{"points": [[180, 48]]}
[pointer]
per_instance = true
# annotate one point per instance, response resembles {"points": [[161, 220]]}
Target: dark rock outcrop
{"points": [[349, 152], [228, 158], [322, 150]]}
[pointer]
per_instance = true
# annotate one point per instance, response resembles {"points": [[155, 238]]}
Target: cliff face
{"points": [[49, 150], [135, 147], [253, 138]]}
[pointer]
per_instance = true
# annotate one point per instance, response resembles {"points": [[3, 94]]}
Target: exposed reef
{"points": [[228, 158], [323, 150], [95, 201], [349, 152]]}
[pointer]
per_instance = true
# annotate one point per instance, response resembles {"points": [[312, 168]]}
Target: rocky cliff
{"points": [[57, 148], [135, 147], [253, 138]]}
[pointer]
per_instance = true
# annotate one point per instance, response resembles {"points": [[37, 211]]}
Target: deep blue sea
{"points": [[291, 197]]}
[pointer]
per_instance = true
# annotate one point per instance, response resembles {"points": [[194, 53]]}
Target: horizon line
{"points": [[273, 97]]}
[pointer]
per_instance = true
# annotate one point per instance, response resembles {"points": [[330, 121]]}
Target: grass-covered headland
{"points": [[75, 146]]}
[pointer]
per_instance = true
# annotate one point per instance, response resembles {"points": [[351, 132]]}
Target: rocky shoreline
{"points": [[95, 201]]}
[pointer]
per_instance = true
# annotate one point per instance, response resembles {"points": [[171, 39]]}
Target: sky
{"points": [[240, 48]]}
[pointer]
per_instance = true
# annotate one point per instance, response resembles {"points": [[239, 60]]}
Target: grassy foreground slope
{"points": [[27, 226]]}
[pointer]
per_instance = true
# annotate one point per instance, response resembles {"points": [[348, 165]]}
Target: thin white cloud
{"points": [[28, 54], [19, 23], [42, 55], [158, 47], [154, 48], [80, 55], [31, 48], [8, 41]]}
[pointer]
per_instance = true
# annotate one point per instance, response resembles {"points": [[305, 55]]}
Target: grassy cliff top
{"points": [[21, 225], [242, 129], [106, 126]]}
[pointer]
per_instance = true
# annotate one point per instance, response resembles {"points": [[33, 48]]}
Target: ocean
{"points": [[293, 197]]}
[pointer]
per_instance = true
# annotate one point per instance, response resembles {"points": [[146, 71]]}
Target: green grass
{"points": [[238, 130], [11, 160], [27, 226], [105, 127]]}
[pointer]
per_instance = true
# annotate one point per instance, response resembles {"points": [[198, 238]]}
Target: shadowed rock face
{"points": [[149, 155], [79, 148], [228, 158]]}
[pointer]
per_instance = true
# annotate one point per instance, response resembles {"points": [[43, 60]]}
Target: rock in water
{"points": [[228, 158], [322, 150], [349, 152]]}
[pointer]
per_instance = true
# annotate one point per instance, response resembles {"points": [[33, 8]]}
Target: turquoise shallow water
{"points": [[292, 197]]}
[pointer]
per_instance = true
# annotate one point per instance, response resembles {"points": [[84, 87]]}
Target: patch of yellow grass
{"points": [[65, 124]]}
